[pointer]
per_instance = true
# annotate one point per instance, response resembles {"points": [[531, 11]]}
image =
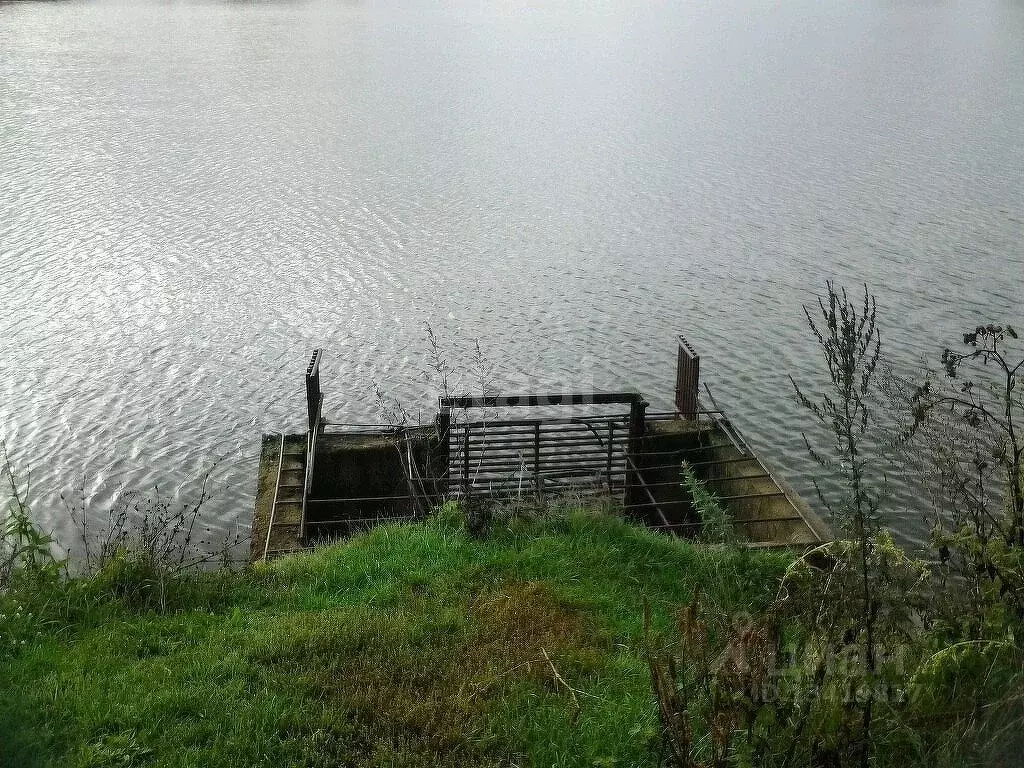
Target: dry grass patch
{"points": [[417, 680]]}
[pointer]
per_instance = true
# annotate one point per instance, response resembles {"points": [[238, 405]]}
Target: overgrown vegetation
{"points": [[25, 551], [409, 645], [716, 525], [145, 542], [868, 656]]}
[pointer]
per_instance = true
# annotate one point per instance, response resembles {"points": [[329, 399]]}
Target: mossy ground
{"points": [[415, 645]]}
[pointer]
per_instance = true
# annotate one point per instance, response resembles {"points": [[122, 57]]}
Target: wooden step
{"points": [[284, 539]]}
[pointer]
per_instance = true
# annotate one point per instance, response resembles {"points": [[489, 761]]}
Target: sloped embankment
{"points": [[414, 645]]}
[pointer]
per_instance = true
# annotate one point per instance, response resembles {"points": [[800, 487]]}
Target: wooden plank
{"points": [[767, 495], [523, 426], [554, 398]]}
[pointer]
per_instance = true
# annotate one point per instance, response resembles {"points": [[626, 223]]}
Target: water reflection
{"points": [[195, 195]]}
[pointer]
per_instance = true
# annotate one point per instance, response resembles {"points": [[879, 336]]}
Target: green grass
{"points": [[413, 645]]}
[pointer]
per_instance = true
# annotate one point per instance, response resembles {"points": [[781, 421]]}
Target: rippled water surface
{"points": [[194, 195]]}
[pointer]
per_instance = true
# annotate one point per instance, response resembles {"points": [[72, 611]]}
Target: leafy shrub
{"points": [[25, 551], [716, 523]]}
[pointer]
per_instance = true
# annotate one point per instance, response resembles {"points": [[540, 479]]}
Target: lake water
{"points": [[194, 195]]}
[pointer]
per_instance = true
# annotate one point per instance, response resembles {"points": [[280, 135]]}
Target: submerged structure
{"points": [[337, 479]]}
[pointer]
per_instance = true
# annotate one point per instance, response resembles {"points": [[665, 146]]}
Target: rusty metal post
{"points": [[637, 428], [611, 443], [314, 396], [687, 380], [444, 453], [314, 408], [465, 463], [536, 461]]}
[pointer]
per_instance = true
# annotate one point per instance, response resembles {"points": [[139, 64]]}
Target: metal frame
{"points": [[501, 452], [532, 401], [498, 457]]}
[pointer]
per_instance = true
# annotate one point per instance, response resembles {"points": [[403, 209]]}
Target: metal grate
{"points": [[512, 456], [537, 456]]}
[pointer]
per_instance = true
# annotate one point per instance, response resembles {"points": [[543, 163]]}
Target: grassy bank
{"points": [[412, 645]]}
